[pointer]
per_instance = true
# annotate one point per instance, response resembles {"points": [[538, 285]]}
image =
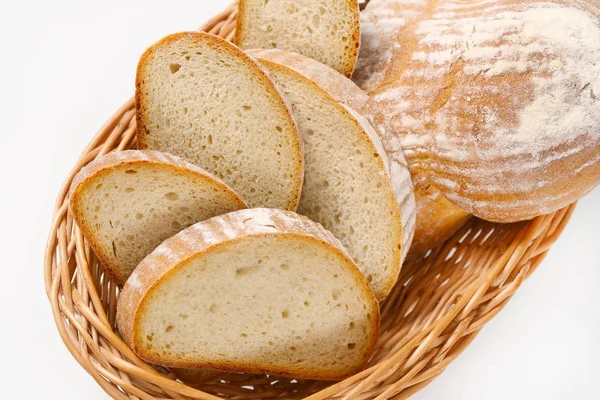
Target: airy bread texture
{"points": [[201, 98], [349, 186], [127, 203], [327, 31], [256, 291], [496, 104]]}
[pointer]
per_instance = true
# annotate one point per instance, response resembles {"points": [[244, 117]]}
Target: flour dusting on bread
{"points": [[488, 98]]}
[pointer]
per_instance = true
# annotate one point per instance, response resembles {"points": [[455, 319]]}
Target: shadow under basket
{"points": [[439, 305]]}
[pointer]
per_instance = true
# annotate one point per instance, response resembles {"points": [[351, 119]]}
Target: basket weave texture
{"points": [[439, 305]]}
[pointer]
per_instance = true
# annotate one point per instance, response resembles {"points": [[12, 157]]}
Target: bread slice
{"points": [[256, 291], [327, 31], [201, 98], [349, 186], [337, 85], [127, 203]]}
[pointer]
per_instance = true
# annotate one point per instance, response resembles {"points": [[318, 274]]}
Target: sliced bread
{"points": [[348, 93], [256, 291], [127, 203], [337, 85], [201, 98], [327, 31], [349, 185]]}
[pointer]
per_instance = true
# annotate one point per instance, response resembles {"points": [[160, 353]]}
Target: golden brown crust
{"points": [[438, 219], [220, 43], [429, 98], [355, 48], [126, 159], [354, 42], [191, 243], [239, 22]]}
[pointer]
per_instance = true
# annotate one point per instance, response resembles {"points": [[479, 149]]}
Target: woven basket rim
{"points": [[415, 347]]}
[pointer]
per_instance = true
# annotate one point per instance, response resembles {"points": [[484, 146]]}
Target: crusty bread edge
{"points": [[159, 265], [353, 42], [125, 159], [401, 181], [214, 40]]}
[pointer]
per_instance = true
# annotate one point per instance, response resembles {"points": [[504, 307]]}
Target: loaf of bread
{"points": [[327, 31], [496, 104], [256, 291], [349, 185], [127, 203], [201, 98]]}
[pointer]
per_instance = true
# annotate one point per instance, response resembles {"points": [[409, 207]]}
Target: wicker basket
{"points": [[440, 303]]}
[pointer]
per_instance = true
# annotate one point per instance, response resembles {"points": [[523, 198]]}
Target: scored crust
{"points": [[209, 236], [493, 103], [354, 41], [222, 45], [128, 159]]}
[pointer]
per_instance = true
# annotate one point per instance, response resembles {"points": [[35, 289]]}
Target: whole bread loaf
{"points": [[496, 104], [256, 291]]}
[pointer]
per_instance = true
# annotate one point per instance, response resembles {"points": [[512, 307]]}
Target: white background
{"points": [[66, 66]]}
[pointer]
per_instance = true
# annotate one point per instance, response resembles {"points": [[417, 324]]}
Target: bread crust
{"points": [[216, 41], [442, 120], [191, 243], [125, 159], [354, 41]]}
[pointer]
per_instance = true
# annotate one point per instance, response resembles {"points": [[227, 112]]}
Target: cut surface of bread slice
{"points": [[327, 31], [203, 99], [337, 85], [127, 203], [256, 291], [349, 186]]}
